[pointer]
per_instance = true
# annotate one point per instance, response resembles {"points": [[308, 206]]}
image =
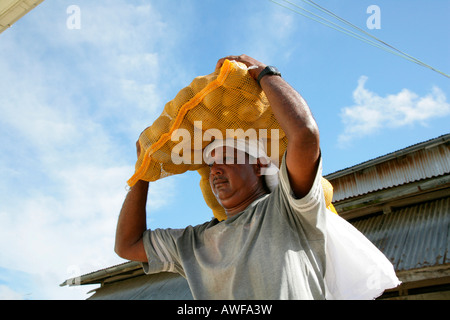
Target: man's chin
{"points": [[223, 197]]}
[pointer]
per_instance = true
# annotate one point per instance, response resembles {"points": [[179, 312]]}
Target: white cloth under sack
{"points": [[355, 268]]}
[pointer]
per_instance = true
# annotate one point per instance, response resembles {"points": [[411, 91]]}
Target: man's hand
{"points": [[248, 61], [138, 148]]}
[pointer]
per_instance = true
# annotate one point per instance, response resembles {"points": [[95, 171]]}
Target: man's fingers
{"points": [[222, 60], [248, 61], [138, 148]]}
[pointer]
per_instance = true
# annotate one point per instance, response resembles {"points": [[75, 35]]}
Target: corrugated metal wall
{"points": [[421, 164], [412, 237]]}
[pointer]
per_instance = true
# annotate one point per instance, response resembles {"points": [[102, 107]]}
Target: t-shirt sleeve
{"points": [[309, 210], [162, 252]]}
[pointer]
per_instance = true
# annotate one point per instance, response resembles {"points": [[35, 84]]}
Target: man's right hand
{"points": [[248, 61], [138, 148]]}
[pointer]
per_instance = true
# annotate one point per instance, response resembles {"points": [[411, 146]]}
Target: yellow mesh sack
{"points": [[227, 103]]}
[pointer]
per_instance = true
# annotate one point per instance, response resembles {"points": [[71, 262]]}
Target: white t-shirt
{"points": [[275, 249]]}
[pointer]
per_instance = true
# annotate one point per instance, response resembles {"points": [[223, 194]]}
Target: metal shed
{"points": [[401, 202]]}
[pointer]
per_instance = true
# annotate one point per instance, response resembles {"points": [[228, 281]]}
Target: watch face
{"points": [[269, 70], [273, 70]]}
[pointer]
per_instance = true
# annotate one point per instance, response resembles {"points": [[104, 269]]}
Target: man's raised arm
{"points": [[296, 120], [132, 223]]}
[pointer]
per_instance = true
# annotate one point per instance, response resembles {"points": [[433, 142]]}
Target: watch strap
{"points": [[269, 70]]}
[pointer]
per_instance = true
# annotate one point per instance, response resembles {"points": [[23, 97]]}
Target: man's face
{"points": [[233, 179]]}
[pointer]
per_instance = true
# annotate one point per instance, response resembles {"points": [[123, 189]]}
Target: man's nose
{"points": [[216, 169]]}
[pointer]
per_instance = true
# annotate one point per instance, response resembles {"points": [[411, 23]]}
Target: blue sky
{"points": [[73, 101]]}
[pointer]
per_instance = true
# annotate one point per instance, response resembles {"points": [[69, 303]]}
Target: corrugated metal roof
{"points": [[412, 237], [160, 286], [421, 161], [126, 269]]}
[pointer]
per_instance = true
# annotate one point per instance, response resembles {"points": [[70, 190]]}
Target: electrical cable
{"points": [[375, 42], [334, 26], [410, 58]]}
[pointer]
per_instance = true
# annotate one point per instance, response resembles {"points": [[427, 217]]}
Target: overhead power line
{"points": [[354, 31]]}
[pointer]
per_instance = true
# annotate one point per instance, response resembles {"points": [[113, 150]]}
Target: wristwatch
{"points": [[269, 70]]}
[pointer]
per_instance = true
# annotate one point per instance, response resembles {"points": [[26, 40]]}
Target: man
{"points": [[272, 246]]}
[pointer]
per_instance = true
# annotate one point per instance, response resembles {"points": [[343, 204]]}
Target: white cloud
{"points": [[56, 236], [6, 293], [72, 104], [47, 232], [371, 113], [63, 124]]}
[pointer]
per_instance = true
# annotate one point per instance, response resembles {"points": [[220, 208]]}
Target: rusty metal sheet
{"points": [[399, 168], [412, 237]]}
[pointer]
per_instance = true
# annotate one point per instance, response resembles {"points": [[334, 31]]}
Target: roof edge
{"points": [[101, 275], [421, 145]]}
